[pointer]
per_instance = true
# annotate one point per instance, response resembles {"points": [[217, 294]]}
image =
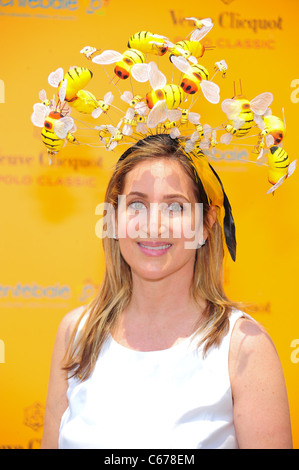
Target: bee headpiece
{"points": [[163, 107]]}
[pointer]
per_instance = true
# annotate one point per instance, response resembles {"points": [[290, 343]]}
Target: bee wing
{"points": [[231, 108], [112, 145], [189, 146], [96, 112], [62, 90], [260, 103], [108, 98], [207, 130], [142, 109], [157, 114], [40, 111], [198, 34], [55, 77], [195, 136], [174, 114], [168, 43], [141, 127], [269, 140], [192, 59], [181, 63], [88, 51], [157, 79], [261, 154], [127, 130], [284, 120], [159, 36], [140, 72], [226, 138], [238, 123], [63, 126], [174, 133], [259, 121], [292, 167], [275, 186], [130, 113], [221, 65], [127, 96], [194, 118], [204, 145], [42, 95], [107, 57], [211, 91]]}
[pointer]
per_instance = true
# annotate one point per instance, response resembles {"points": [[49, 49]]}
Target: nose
{"points": [[156, 224]]}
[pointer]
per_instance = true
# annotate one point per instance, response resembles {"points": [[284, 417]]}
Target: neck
{"points": [[165, 298]]}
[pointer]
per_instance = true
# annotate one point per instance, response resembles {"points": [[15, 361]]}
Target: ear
{"points": [[211, 219], [212, 215]]}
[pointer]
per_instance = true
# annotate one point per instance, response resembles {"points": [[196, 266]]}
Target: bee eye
{"points": [[48, 125]]}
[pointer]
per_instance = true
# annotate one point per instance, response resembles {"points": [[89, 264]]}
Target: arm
{"points": [[261, 411], [56, 402]]}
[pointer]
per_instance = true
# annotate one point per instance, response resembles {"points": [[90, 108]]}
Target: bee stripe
{"points": [[136, 53], [50, 138]]}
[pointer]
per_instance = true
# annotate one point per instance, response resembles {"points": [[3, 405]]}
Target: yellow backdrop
{"points": [[51, 259]]}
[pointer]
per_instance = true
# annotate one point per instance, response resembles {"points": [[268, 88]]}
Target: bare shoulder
{"points": [[249, 336], [68, 324], [251, 350], [258, 388], [57, 388]]}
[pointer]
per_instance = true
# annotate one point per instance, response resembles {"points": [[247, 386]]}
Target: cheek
{"points": [[130, 224]]}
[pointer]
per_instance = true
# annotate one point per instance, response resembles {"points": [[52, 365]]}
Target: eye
{"points": [[136, 206], [175, 207]]}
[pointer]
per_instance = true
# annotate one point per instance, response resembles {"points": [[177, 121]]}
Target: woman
{"points": [[161, 358]]}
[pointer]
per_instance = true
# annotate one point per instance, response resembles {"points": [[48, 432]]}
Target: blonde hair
{"points": [[116, 287]]}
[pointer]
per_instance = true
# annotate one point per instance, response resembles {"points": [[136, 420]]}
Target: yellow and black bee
{"points": [[187, 49], [278, 161], [76, 79], [240, 112], [124, 62], [191, 80], [172, 94], [56, 129], [148, 43]]}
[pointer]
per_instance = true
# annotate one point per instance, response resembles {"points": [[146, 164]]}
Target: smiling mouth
{"points": [[155, 246]]}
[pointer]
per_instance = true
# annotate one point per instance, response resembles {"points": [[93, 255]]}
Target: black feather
{"points": [[228, 223]]}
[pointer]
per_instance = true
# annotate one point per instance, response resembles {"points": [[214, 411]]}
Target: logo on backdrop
{"points": [[43, 8], [229, 20], [34, 416]]}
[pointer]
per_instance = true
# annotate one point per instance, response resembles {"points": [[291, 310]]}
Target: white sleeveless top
{"points": [[168, 399]]}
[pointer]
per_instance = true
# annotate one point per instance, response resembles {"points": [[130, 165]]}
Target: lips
{"points": [[154, 248]]}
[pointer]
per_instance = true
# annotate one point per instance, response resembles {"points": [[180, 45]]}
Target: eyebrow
{"points": [[166, 196]]}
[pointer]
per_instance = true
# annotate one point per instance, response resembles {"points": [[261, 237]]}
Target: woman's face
{"points": [[157, 219]]}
